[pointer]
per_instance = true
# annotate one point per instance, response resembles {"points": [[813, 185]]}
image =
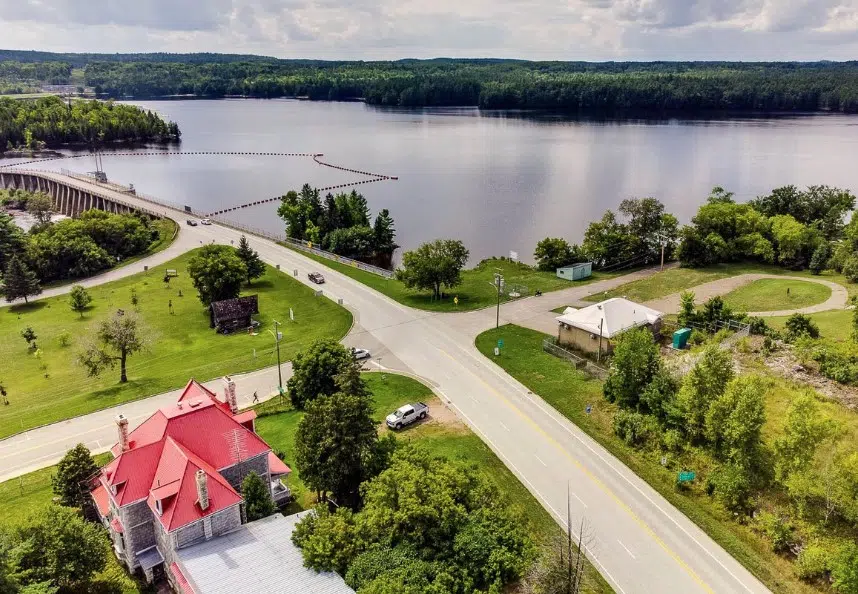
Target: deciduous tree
{"points": [[315, 371], [434, 266], [39, 205], [554, 252], [114, 340], [217, 273], [70, 483], [702, 386], [79, 299], [636, 362]]}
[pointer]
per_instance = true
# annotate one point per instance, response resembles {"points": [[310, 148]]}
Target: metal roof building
{"points": [[258, 557]]}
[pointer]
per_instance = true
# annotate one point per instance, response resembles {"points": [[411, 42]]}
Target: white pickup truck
{"points": [[407, 414]]}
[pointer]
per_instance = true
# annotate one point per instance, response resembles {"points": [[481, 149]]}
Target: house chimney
{"points": [[122, 425], [229, 393], [202, 489]]}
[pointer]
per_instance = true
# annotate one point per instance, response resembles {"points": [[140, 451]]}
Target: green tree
{"points": [[257, 497], [383, 233], [70, 483], [315, 371], [844, 569], [608, 242], [19, 281], [820, 258], [114, 340], [734, 421], [252, 262], [79, 299], [29, 335], [328, 541], [804, 432], [39, 205], [217, 273], [352, 242], [799, 325], [433, 266], [12, 240], [636, 362], [554, 252], [337, 447], [702, 386], [58, 547], [687, 311], [648, 222]]}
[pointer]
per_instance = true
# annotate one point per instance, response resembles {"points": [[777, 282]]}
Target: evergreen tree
{"points": [[383, 233], [20, 281], [251, 259], [257, 497], [73, 471]]}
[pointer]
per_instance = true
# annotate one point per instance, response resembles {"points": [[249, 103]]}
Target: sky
{"points": [[392, 29]]}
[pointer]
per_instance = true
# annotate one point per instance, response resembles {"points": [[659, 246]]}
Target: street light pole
{"points": [[498, 283], [279, 372]]}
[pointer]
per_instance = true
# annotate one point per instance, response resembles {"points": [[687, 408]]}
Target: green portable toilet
{"points": [[680, 338]]}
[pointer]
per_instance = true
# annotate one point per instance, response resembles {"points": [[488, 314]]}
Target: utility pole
{"points": [[279, 371], [498, 285], [602, 321]]}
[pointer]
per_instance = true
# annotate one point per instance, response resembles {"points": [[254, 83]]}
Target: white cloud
{"points": [[386, 29]]}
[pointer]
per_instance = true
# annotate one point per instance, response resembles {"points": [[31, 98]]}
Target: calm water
{"points": [[500, 181]]}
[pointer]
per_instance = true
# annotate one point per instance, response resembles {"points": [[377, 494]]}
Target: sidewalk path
{"points": [[838, 299]]}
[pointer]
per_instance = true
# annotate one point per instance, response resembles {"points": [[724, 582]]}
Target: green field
{"points": [[476, 290], [674, 280], [570, 391], [452, 440], [25, 495], [181, 345], [836, 324], [773, 294]]}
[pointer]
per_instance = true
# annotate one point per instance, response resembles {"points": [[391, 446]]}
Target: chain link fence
{"points": [[550, 346]]}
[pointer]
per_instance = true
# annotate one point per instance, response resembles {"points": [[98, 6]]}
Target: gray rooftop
{"points": [[258, 557]]}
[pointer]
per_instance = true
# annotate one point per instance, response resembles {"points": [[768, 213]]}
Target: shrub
{"points": [[850, 269], [844, 569], [813, 561], [634, 428], [64, 338], [798, 325], [697, 337], [758, 326], [730, 485], [776, 529]]}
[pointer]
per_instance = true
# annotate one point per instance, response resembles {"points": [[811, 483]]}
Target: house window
{"points": [[207, 527], [158, 507]]}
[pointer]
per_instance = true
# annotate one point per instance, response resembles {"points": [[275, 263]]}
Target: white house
{"points": [[598, 324]]}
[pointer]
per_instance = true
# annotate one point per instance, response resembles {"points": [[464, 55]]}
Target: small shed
{"points": [[233, 314], [575, 272]]}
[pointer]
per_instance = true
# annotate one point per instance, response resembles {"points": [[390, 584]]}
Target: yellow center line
{"points": [[593, 478]]}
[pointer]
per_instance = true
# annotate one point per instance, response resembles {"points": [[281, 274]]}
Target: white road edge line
{"points": [[532, 489], [540, 461], [578, 498], [627, 549], [504, 426]]}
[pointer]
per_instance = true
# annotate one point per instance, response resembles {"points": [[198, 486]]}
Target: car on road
{"points": [[407, 414], [191, 222], [316, 277], [361, 354], [205, 222]]}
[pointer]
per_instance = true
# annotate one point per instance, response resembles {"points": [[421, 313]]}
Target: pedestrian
{"points": [[255, 397]]}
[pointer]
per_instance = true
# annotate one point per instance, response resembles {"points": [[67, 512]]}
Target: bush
{"points": [[776, 529], [697, 337], [844, 569], [850, 269], [798, 325], [758, 326], [634, 428], [730, 485], [64, 338], [813, 561]]}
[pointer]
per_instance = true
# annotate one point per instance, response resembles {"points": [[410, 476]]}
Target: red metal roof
{"points": [[181, 580], [276, 465], [166, 450], [102, 502], [245, 418]]}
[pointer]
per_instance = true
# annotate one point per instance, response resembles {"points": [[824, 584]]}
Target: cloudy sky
{"points": [[386, 29]]}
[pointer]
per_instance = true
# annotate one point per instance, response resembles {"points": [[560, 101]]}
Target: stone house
{"points": [[594, 329], [175, 480]]}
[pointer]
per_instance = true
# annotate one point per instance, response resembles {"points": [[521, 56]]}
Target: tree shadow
{"points": [[24, 308]]}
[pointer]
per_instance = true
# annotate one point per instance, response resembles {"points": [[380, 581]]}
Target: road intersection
{"points": [[639, 542]]}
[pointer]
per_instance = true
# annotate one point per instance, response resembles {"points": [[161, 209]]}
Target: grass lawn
{"points": [[772, 294], [181, 345], [674, 280], [450, 439], [836, 324], [25, 495], [569, 391], [476, 291]]}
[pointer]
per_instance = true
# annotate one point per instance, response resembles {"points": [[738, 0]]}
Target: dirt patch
{"points": [[784, 363], [440, 416]]}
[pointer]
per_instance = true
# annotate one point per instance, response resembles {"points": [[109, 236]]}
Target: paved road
{"points": [[838, 299], [640, 542]]}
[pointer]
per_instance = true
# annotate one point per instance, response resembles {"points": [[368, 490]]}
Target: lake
{"points": [[500, 181]]}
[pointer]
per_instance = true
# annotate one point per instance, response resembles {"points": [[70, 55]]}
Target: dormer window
{"points": [[158, 507], [113, 489]]}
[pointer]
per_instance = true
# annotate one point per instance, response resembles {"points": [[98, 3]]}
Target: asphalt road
{"points": [[637, 539]]}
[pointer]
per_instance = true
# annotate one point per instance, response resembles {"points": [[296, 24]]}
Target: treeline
{"points": [[55, 73], [49, 121], [490, 84], [69, 248], [340, 224]]}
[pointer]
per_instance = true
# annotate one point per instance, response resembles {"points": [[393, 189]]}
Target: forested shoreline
{"points": [[50, 121], [671, 87]]}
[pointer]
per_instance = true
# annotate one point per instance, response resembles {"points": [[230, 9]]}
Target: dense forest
{"points": [[487, 83], [49, 121]]}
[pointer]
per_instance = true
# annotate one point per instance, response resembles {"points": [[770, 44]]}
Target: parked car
{"points": [[191, 222], [316, 277], [407, 414], [361, 354], [206, 222]]}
